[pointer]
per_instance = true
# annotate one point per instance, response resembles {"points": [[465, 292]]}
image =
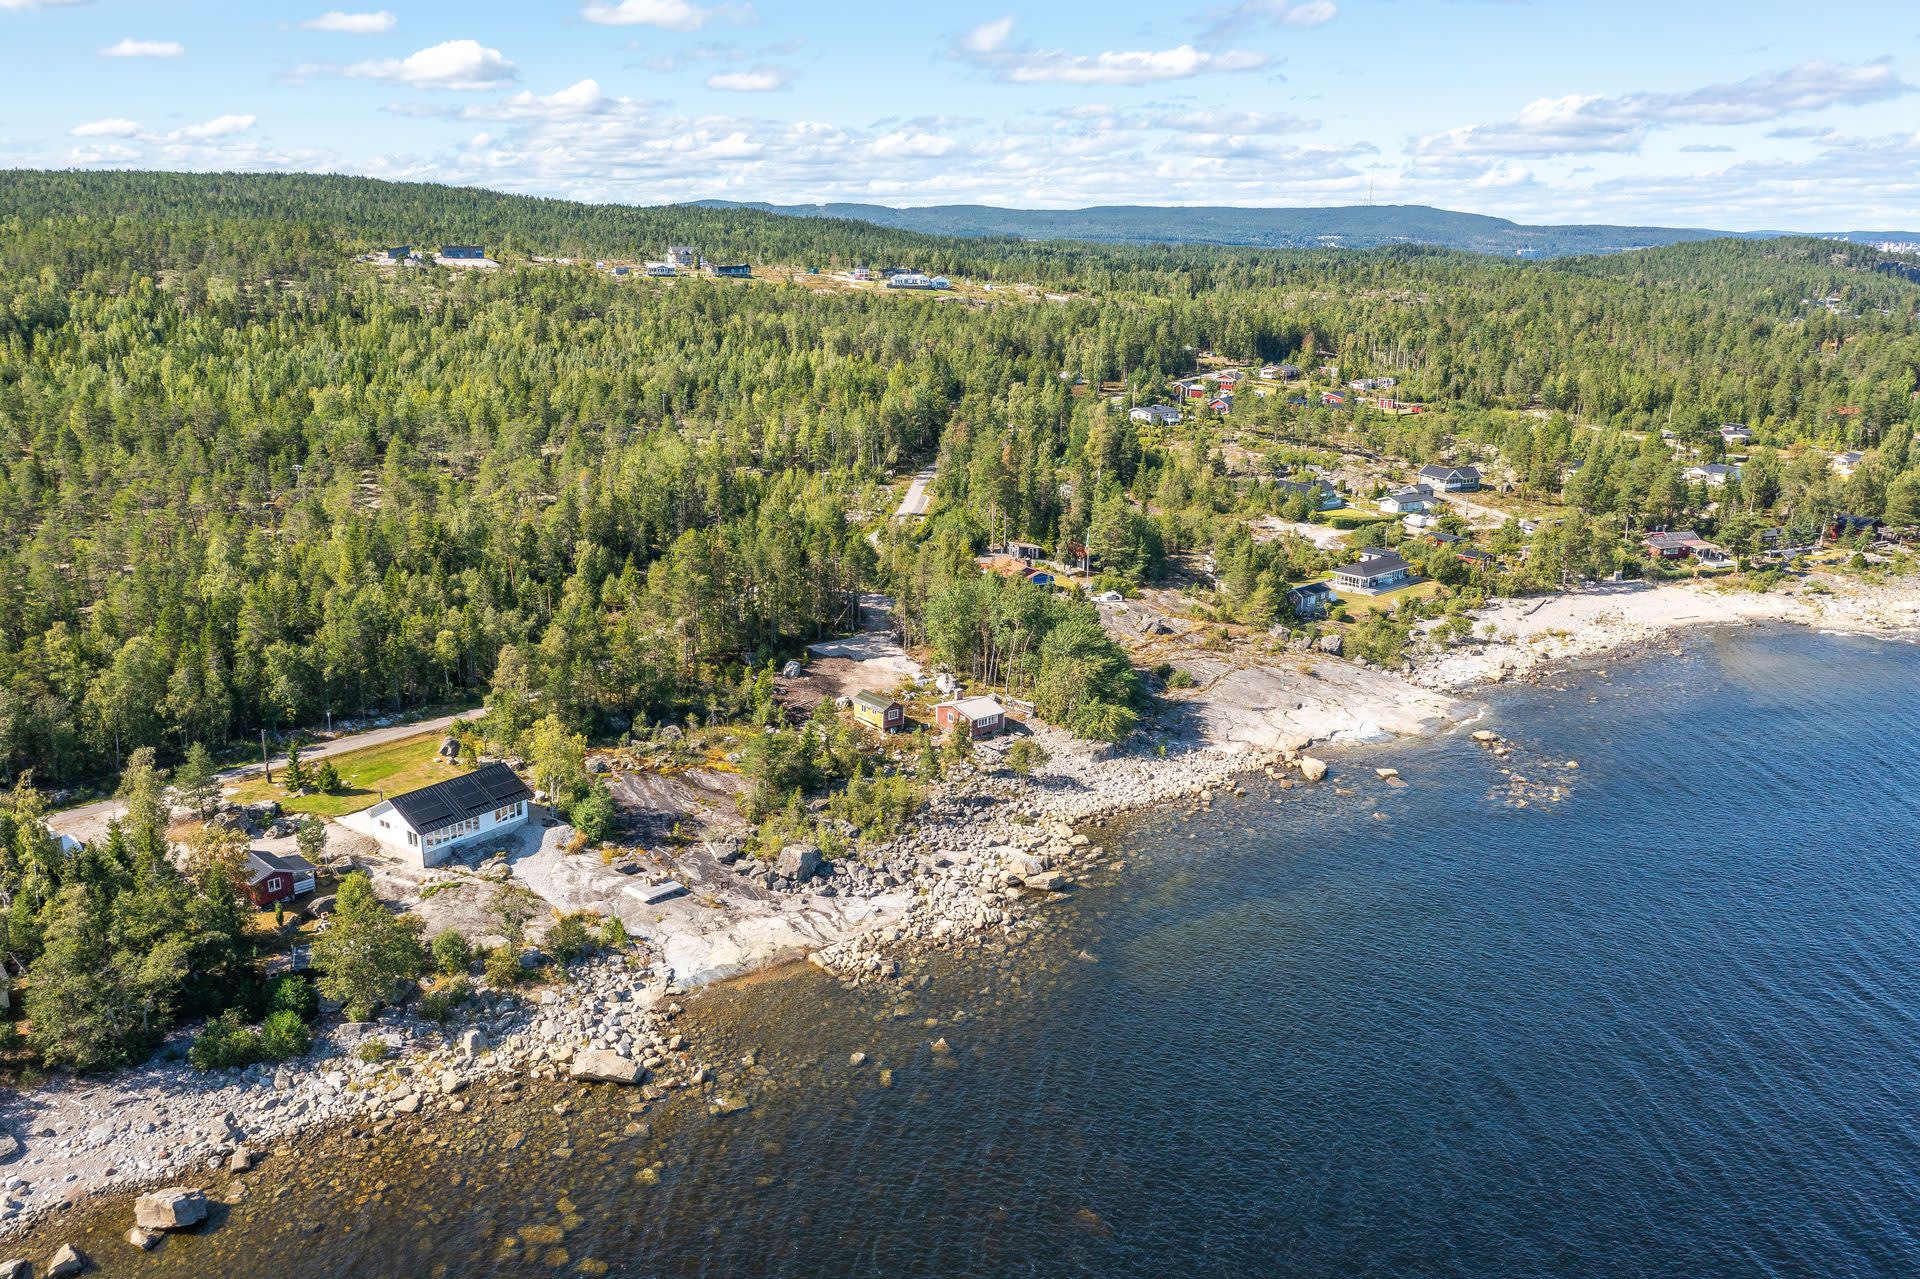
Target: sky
{"points": [[1730, 114]]}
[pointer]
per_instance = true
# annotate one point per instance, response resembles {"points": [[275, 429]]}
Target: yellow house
{"points": [[880, 711]]}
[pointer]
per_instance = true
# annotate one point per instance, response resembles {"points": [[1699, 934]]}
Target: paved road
{"points": [[915, 503], [89, 821]]}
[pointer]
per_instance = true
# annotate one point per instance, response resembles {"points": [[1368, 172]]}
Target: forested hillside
{"points": [[248, 483]]}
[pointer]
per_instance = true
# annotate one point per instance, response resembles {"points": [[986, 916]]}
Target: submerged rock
{"points": [[174, 1208], [598, 1065]]}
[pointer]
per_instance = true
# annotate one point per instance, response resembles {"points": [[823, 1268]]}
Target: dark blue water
{"points": [[1669, 1025]]}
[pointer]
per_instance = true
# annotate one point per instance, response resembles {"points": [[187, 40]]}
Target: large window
{"points": [[508, 813]]}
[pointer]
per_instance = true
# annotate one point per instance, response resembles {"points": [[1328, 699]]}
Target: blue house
{"points": [[734, 271], [463, 252], [1311, 600]]}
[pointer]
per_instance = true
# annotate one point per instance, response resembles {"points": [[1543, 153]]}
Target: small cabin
{"points": [[983, 716], [879, 711]]}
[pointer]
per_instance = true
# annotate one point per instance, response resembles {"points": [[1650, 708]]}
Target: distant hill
{"points": [[1350, 227]]}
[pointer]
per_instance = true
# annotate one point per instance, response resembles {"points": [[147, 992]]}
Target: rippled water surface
{"points": [[1664, 1026]]}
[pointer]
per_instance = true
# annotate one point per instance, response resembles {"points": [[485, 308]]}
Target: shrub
{"points": [[439, 1004], [1181, 678], [503, 967], [592, 814], [284, 1035], [613, 933], [1026, 755], [451, 954], [568, 939], [294, 995], [326, 779], [228, 1041], [373, 1051]]}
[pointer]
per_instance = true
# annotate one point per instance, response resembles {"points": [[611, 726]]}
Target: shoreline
{"points": [[988, 849]]}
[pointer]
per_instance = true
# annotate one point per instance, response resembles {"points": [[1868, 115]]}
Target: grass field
{"points": [[1359, 606], [364, 776]]}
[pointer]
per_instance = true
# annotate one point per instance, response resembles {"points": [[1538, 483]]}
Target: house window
{"points": [[507, 813]]}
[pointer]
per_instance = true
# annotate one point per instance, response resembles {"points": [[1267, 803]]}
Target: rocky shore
{"points": [[1532, 636], [986, 856], [989, 847]]}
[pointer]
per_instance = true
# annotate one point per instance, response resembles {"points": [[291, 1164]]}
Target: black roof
{"points": [[458, 798], [1375, 566]]}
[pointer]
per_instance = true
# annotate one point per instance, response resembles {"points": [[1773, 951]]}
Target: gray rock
{"points": [[10, 1148], [598, 1065], [1312, 769], [173, 1208], [798, 862], [142, 1238], [68, 1261], [1331, 644], [15, 1269]]}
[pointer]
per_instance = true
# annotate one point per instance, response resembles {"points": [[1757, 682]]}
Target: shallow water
{"points": [[1667, 1025]]}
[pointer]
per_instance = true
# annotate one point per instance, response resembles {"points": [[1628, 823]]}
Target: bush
{"points": [[568, 939], [1181, 678], [613, 933], [451, 954], [503, 967], [294, 995], [592, 814], [327, 779], [439, 1004], [373, 1051], [228, 1041], [1026, 755]]}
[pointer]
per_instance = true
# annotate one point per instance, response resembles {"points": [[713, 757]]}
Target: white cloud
{"points": [[1287, 13], [579, 99], [912, 143], [990, 45], [221, 126], [130, 48], [112, 127], [758, 80], [988, 37], [454, 64], [351, 24], [23, 6], [671, 15], [1583, 124]]}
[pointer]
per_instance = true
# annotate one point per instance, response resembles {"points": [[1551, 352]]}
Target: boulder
{"points": [[1332, 645], [1046, 881], [798, 862], [449, 748], [10, 1147], [143, 1239], [1312, 769], [599, 1065], [1484, 735], [18, 1268], [173, 1208], [240, 1160], [68, 1261]]}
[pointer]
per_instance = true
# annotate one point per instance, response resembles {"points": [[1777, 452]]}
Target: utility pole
{"points": [[264, 761]]}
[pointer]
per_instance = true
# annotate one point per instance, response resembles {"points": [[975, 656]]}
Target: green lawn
{"points": [[1359, 606], [395, 767]]}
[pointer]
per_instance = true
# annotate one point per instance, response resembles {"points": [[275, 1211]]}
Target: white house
{"points": [[1156, 414], [1408, 501], [431, 823], [1450, 479], [1715, 474], [1845, 464], [1376, 570]]}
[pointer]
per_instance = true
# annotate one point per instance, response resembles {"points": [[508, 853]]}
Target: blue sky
{"points": [[1740, 115]]}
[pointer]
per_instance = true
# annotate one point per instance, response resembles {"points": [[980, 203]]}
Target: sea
{"points": [[1640, 998]]}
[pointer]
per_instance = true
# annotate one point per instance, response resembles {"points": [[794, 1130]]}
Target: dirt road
{"points": [[89, 821]]}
